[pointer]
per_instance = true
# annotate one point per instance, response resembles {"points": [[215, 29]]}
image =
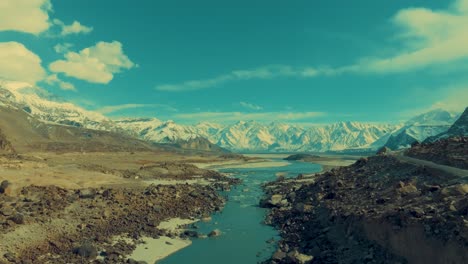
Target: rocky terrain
{"points": [[452, 152], [49, 218], [67, 192], [382, 209]]}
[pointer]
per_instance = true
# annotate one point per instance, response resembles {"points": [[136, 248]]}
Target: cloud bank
{"points": [[96, 64]]}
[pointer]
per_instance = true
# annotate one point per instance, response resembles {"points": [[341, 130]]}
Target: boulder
{"points": [[192, 234], [383, 151], [18, 219], [5, 187], [214, 233], [279, 255], [276, 199], [299, 258], [87, 193], [86, 250]]}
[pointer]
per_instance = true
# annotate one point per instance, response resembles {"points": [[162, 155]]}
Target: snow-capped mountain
{"points": [[254, 136], [459, 128], [47, 108], [153, 129], [422, 127], [249, 136]]}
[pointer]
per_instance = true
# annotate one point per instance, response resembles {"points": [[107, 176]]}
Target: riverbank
{"points": [[378, 210], [78, 203]]}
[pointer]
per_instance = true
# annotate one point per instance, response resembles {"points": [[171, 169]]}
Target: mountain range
{"points": [[242, 136]]}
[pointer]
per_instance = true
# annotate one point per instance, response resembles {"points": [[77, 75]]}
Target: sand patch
{"points": [[175, 223], [153, 250]]}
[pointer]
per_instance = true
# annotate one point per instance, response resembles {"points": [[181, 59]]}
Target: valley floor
{"points": [[72, 207]]}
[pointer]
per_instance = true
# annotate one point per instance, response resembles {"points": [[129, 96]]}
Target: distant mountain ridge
{"points": [[242, 136]]}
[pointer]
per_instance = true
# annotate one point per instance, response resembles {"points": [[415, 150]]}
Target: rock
{"points": [[458, 190], [7, 211], [276, 199], [5, 184], [408, 189], [86, 250], [87, 193], [18, 219], [5, 187], [132, 261], [299, 258], [10, 257], [383, 151], [214, 233], [417, 212], [192, 234], [279, 255], [206, 219]]}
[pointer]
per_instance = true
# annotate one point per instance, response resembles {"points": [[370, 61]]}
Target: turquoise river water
{"points": [[244, 236]]}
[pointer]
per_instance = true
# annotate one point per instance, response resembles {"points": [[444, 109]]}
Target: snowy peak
{"points": [[421, 127], [45, 107], [434, 117]]}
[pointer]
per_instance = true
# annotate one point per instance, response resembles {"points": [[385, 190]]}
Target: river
{"points": [[244, 237]]}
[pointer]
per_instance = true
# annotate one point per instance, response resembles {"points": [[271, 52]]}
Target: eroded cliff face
{"points": [[382, 209]]}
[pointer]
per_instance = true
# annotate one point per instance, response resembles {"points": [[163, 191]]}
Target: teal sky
{"points": [[292, 61]]}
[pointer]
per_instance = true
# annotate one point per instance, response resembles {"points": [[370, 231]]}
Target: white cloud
{"points": [[265, 72], [30, 16], [74, 28], [432, 37], [428, 38], [54, 79], [17, 63], [96, 64], [250, 106], [63, 48], [236, 116], [115, 108]]}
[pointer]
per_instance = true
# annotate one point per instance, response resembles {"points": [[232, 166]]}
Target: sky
{"points": [[296, 61]]}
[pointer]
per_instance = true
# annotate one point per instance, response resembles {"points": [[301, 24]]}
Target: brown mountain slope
{"points": [[25, 133]]}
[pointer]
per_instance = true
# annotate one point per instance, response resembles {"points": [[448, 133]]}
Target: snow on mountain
{"points": [[459, 128], [153, 129], [422, 127], [249, 136], [254, 136], [41, 105]]}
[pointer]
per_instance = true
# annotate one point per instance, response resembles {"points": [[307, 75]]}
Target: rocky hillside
{"points": [[452, 152], [379, 210], [22, 132]]}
